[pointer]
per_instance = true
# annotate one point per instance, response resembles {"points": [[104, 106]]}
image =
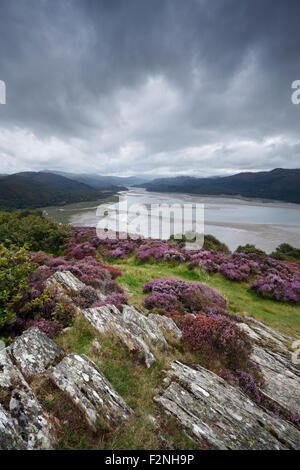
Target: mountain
{"points": [[279, 184], [39, 189], [102, 182]]}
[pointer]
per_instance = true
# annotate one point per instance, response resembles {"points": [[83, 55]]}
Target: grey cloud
{"points": [[160, 86]]}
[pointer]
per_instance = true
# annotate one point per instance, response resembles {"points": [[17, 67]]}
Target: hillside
{"points": [[139, 344], [32, 190], [278, 184], [102, 182]]}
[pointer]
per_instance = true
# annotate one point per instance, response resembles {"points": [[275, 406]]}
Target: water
{"points": [[234, 221]]}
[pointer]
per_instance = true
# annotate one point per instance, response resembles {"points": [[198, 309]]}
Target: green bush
{"points": [[33, 229], [248, 249], [14, 271], [286, 252], [210, 242]]}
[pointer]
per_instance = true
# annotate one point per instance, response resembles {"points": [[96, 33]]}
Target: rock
{"points": [[34, 352], [10, 376], [214, 413], [142, 326], [9, 437], [166, 323], [2, 345], [265, 335], [138, 332], [65, 280], [31, 420], [271, 353], [26, 414], [108, 320], [96, 345], [282, 378], [87, 387]]}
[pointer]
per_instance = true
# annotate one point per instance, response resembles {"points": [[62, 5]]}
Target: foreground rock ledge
{"points": [[271, 353], [23, 416], [34, 352], [214, 413], [138, 332], [88, 388]]}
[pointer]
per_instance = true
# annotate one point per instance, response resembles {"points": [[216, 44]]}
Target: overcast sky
{"points": [[123, 87]]}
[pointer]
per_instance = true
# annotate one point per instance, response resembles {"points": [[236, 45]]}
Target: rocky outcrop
{"points": [[108, 320], [87, 387], [9, 436], [24, 424], [22, 409], [65, 280], [215, 414], [272, 354], [34, 352], [137, 332], [166, 324]]}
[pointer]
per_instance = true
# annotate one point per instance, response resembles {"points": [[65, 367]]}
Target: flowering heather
{"points": [[81, 251], [217, 338], [189, 296], [166, 302], [116, 299], [86, 297], [114, 272], [283, 289], [51, 328]]}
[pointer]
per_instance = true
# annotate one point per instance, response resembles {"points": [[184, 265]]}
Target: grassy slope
{"points": [[137, 384], [283, 317]]}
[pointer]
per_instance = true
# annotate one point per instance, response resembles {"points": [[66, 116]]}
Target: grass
{"points": [[241, 299]]}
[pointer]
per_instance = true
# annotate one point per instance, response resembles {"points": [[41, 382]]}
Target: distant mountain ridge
{"points": [[39, 189], [100, 181], [279, 184]]}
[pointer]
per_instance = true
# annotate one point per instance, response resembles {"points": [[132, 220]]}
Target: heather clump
{"points": [[49, 327], [215, 337], [283, 289], [50, 304], [79, 251], [86, 297], [117, 300], [181, 295]]}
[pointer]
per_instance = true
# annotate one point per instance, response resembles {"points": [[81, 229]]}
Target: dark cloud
{"points": [[159, 86]]}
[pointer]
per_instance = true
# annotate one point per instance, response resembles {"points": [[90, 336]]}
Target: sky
{"points": [[153, 87]]}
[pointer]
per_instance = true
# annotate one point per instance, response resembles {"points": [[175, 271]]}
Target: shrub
{"points": [[216, 337], [283, 289], [250, 249], [212, 243], [50, 304], [166, 302], [86, 297], [181, 295], [114, 272], [51, 328], [14, 271], [117, 300], [33, 229], [286, 252]]}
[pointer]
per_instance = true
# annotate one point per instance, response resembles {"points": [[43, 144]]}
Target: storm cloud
{"points": [[157, 87]]}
